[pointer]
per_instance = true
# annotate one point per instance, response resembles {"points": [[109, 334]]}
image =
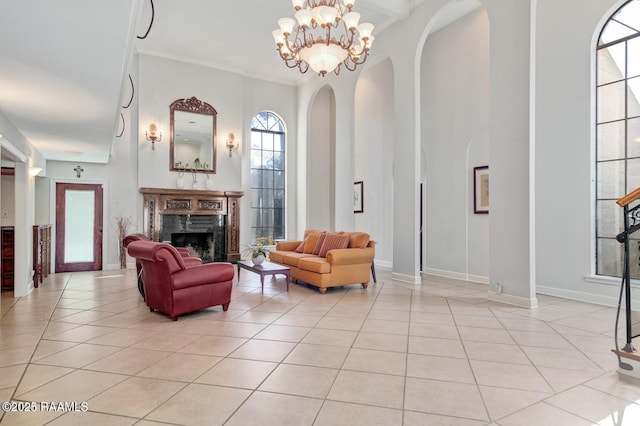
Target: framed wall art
{"points": [[481, 190], [358, 197]]}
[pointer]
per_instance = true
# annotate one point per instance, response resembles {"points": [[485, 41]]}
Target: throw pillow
{"points": [[333, 241], [318, 247], [312, 239], [300, 247]]}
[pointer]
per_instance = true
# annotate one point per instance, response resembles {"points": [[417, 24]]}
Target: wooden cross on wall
{"points": [[78, 170]]}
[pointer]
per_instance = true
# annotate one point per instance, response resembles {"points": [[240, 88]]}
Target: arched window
{"points": [[267, 177], [617, 133]]}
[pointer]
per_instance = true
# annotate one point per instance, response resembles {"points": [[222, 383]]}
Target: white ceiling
{"points": [[63, 63]]}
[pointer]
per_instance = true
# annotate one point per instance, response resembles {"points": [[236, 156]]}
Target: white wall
{"points": [[236, 99], [281, 100], [43, 201], [564, 88], [373, 156], [8, 202], [454, 96], [162, 81], [320, 179], [120, 188], [120, 191]]}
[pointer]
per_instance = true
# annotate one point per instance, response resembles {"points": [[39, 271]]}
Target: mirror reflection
{"points": [[193, 133]]}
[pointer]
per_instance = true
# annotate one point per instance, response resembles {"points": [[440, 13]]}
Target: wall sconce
{"points": [[232, 144], [152, 135], [33, 171]]}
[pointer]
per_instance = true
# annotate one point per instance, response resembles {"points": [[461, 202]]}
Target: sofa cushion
{"points": [[300, 248], [315, 264], [332, 242], [358, 239], [292, 258]]}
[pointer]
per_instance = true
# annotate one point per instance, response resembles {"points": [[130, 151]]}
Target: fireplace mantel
{"points": [[159, 201]]}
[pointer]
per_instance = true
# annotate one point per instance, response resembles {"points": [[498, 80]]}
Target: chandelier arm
{"points": [[346, 41], [291, 62]]}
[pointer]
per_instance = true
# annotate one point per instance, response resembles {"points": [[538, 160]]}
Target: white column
{"points": [[24, 207], [510, 215]]}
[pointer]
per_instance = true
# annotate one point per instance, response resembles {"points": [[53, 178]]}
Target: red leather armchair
{"points": [[173, 288], [184, 252]]}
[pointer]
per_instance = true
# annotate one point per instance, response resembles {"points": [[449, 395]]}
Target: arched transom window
{"points": [[617, 133]]}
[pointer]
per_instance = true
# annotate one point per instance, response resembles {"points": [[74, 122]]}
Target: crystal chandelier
{"points": [[324, 36]]}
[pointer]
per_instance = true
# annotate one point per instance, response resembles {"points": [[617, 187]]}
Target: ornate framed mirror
{"points": [[193, 136]]}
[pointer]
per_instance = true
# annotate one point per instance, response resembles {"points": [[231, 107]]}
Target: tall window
{"points": [[267, 176], [617, 134]]}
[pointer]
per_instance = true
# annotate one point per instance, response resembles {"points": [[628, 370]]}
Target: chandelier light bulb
{"points": [[351, 20], [325, 36], [297, 4], [278, 37], [286, 25], [304, 17], [365, 29]]}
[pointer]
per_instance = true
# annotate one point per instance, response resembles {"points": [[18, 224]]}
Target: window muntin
{"points": [[267, 177]]}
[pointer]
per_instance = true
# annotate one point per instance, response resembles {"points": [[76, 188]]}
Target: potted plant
{"points": [[208, 183], [122, 227], [180, 167], [258, 252], [194, 171]]}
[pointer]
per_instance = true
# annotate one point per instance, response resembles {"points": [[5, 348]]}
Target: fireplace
{"points": [[203, 234], [206, 221]]}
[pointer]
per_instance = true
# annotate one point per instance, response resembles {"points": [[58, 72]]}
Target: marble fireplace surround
{"points": [[194, 202]]}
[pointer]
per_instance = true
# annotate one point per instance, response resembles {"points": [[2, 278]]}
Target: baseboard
{"points": [[509, 299], [456, 275], [581, 296], [409, 279], [383, 264], [114, 266]]}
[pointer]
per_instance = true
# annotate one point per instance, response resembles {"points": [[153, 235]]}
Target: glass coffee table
{"points": [[266, 268]]}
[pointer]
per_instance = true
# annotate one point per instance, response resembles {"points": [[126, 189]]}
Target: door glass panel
{"points": [[79, 226]]}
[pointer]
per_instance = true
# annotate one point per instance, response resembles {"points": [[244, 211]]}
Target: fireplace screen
{"points": [[205, 235]]}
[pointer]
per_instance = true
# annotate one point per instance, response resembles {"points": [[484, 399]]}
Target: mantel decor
{"points": [[189, 203]]}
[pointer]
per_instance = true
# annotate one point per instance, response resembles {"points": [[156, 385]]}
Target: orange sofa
{"points": [[325, 259]]}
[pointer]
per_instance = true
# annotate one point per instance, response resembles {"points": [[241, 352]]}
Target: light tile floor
{"points": [[394, 354]]}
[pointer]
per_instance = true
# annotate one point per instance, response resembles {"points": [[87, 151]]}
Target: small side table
{"points": [[266, 268]]}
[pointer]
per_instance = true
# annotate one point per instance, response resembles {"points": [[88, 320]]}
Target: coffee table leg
{"points": [[287, 275], [262, 282]]}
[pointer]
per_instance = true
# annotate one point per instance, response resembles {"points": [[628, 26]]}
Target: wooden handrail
{"points": [[630, 197]]}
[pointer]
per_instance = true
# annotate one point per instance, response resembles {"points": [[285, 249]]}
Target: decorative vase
{"points": [[208, 183], [180, 183], [258, 259]]}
